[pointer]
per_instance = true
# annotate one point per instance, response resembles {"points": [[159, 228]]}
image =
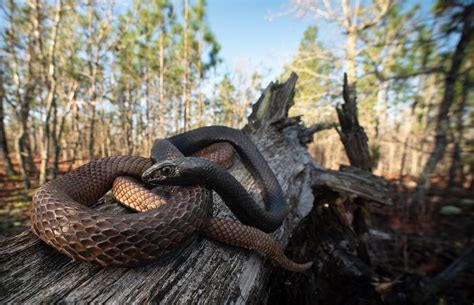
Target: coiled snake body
{"points": [[61, 216]]}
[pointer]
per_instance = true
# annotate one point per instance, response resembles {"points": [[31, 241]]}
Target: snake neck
{"points": [[235, 196], [275, 205]]}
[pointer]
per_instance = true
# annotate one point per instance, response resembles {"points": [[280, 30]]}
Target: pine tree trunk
{"points": [[442, 122], [92, 90], [57, 135], [4, 151], [351, 65], [455, 169], [148, 126], [186, 66], [91, 137], [21, 146], [162, 84], [55, 141], [76, 135], [50, 103]]}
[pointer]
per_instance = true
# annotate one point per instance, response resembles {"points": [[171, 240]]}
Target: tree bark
{"points": [[205, 271], [352, 135]]}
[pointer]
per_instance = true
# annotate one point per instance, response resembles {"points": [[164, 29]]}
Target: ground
{"points": [[424, 247]]}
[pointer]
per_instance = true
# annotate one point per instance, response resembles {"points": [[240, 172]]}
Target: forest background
{"points": [[86, 79]]}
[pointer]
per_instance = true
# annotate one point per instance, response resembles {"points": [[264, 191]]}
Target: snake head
{"points": [[159, 172], [181, 171]]}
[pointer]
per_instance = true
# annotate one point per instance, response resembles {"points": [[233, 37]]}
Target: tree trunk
{"points": [[57, 135], [4, 151], [351, 54], [92, 90], [355, 142], [92, 114], [455, 170], [24, 94], [148, 126], [206, 271], [404, 158], [61, 123], [76, 134], [352, 135], [186, 66], [442, 122], [162, 83], [50, 103], [22, 147]]}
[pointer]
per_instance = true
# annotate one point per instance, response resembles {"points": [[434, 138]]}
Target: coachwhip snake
{"points": [[61, 216]]}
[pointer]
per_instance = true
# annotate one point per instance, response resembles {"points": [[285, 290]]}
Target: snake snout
{"points": [[159, 172]]}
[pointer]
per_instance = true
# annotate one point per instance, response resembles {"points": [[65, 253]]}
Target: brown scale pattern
{"points": [[139, 199], [240, 235], [61, 218], [220, 153]]}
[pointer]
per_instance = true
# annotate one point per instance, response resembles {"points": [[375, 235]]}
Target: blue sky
{"points": [[250, 39]]}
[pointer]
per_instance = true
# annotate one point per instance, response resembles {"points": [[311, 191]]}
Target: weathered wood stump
{"points": [[204, 271]]}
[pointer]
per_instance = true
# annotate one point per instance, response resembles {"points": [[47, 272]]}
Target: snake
{"points": [[62, 215]]}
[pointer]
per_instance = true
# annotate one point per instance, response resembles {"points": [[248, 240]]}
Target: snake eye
{"points": [[166, 171]]}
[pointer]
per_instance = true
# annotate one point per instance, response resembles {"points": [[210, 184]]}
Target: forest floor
{"points": [[401, 248], [397, 246]]}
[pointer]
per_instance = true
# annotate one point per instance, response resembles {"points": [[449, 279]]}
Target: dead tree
{"points": [[207, 272], [352, 135], [356, 145]]}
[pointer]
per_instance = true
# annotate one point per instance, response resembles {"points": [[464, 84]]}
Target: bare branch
{"points": [[306, 135], [386, 4]]}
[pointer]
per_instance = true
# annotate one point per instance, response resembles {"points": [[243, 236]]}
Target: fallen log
{"points": [[204, 271]]}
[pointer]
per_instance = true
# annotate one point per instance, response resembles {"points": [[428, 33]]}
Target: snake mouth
{"points": [[159, 172]]}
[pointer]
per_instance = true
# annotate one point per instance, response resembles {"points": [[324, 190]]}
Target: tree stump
{"points": [[204, 271]]}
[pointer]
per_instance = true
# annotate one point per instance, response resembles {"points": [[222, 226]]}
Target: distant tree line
{"points": [[84, 79], [80, 80], [412, 72]]}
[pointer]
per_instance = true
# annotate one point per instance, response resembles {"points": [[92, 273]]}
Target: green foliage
{"points": [[225, 101], [314, 67]]}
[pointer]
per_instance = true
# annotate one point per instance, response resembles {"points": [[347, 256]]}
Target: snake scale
{"points": [[61, 215]]}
